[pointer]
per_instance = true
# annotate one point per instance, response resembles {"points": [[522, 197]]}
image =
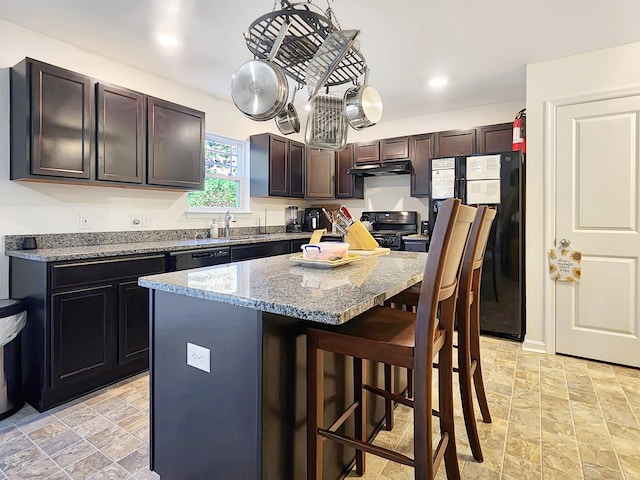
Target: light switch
{"points": [[199, 357]]}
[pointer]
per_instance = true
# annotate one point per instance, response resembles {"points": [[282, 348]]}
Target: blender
{"points": [[291, 216]]}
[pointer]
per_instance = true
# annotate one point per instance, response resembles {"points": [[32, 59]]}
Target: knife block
{"points": [[359, 238]]}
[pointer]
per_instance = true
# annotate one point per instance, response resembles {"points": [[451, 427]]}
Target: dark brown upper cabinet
{"points": [[121, 134], [51, 122], [320, 173], [175, 145], [455, 142], [67, 127], [367, 152], [297, 161], [495, 138], [394, 149], [277, 166], [422, 150], [347, 186]]}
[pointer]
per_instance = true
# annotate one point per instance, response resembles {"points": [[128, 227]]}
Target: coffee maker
{"points": [[291, 219], [313, 219]]}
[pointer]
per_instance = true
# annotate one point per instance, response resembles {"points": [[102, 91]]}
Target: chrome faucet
{"points": [[228, 217]]}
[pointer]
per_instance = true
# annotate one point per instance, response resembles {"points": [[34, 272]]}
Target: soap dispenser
{"points": [[213, 229]]}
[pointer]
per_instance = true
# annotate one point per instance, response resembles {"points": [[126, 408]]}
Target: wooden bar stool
{"points": [[404, 339], [468, 320]]}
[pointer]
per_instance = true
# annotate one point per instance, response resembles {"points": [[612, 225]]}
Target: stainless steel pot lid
{"points": [[258, 89]]}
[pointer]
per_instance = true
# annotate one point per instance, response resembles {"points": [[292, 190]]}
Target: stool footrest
{"points": [[474, 365], [388, 395], [440, 449], [343, 418], [367, 447]]}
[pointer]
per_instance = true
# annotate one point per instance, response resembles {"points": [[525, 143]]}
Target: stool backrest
{"points": [[457, 243], [443, 263], [474, 252], [483, 237]]}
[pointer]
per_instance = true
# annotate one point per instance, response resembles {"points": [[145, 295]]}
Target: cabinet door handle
{"points": [[202, 255]]}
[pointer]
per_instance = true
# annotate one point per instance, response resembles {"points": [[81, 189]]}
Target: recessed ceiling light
{"points": [[168, 40], [438, 82]]}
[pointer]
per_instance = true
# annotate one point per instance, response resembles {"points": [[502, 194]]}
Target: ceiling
{"points": [[482, 46]]}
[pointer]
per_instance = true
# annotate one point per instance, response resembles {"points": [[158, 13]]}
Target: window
{"points": [[225, 183]]}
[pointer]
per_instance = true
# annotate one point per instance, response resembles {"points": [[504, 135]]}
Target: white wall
{"points": [[599, 71], [27, 207]]}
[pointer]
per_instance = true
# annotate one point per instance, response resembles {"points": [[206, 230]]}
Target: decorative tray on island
{"points": [[300, 260]]}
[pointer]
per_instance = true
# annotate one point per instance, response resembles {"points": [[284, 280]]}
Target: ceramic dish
{"points": [[300, 260]]}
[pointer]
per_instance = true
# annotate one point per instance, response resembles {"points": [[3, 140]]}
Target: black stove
{"points": [[390, 227]]}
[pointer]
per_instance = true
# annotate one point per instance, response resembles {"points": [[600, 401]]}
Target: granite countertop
{"points": [[278, 285], [117, 249]]}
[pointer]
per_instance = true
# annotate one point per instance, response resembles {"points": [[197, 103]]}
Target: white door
{"points": [[597, 208]]}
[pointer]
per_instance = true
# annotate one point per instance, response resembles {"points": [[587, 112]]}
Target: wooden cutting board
{"points": [[377, 251]]}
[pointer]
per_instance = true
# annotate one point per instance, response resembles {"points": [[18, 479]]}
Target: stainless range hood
{"points": [[387, 168]]}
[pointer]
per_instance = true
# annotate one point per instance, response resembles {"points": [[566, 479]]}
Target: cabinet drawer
{"points": [[259, 250], [92, 271]]}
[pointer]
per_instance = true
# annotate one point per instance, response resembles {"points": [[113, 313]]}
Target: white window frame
{"points": [[243, 178]]}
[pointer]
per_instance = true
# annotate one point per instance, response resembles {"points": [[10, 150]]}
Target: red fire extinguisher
{"points": [[519, 134]]}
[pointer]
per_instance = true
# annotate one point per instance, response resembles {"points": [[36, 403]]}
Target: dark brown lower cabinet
{"points": [[133, 322], [259, 250], [82, 334], [87, 327]]}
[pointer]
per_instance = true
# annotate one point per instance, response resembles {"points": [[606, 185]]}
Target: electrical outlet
{"points": [[84, 221], [199, 357], [136, 220], [146, 221]]}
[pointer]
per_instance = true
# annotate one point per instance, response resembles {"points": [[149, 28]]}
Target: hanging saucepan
{"points": [[259, 88], [287, 120], [362, 105]]}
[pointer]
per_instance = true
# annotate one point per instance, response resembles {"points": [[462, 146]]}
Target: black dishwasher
{"points": [[198, 258]]}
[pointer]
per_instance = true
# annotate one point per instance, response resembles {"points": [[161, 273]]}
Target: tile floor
{"points": [[103, 436], [553, 418]]}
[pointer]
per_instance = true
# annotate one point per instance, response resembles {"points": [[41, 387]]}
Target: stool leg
{"points": [[359, 395], [445, 388], [464, 377], [389, 378], [409, 382], [474, 346], [315, 408], [423, 423]]}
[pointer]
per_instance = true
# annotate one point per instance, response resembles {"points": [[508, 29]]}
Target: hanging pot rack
{"points": [[307, 31]]}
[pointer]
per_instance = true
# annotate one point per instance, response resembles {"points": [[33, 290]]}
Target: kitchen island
{"points": [[239, 410]]}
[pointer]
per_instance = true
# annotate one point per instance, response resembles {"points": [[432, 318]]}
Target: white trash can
{"points": [[13, 318]]}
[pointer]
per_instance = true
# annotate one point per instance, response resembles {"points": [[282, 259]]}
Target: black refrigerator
{"points": [[496, 180]]}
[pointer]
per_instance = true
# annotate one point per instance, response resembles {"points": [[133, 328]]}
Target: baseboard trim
{"points": [[534, 346]]}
